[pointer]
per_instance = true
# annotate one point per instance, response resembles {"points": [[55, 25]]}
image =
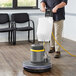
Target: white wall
{"points": [[69, 24]]}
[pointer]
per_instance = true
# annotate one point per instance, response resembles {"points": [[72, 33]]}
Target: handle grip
{"points": [[48, 13]]}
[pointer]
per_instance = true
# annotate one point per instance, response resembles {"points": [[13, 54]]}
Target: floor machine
{"points": [[38, 62]]}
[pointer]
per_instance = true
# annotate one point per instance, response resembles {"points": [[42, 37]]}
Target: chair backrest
{"points": [[20, 17], [4, 18]]}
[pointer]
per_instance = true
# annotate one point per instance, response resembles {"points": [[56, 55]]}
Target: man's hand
{"points": [[54, 10], [60, 5], [43, 9]]}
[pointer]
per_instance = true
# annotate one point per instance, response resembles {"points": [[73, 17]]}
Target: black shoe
{"points": [[57, 55], [52, 50]]}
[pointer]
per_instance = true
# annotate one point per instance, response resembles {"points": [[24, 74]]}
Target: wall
{"points": [[69, 24]]}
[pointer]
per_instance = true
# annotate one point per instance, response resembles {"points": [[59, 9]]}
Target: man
{"points": [[58, 10]]}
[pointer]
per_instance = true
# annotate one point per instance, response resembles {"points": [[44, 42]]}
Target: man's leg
{"points": [[52, 42], [58, 26]]}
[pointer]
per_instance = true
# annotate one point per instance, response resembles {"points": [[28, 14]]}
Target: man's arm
{"points": [[43, 7], [60, 5]]}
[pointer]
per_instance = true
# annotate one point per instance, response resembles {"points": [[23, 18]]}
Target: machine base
{"points": [[37, 67]]}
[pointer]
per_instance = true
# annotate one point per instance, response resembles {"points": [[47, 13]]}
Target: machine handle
{"points": [[48, 13]]}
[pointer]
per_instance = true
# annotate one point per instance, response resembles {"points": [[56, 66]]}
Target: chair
{"points": [[4, 18], [22, 18]]}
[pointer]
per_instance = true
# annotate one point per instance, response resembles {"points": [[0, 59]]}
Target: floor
{"points": [[12, 57]]}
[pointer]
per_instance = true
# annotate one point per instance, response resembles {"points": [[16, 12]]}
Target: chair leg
{"points": [[28, 36], [9, 37], [14, 37], [33, 36]]}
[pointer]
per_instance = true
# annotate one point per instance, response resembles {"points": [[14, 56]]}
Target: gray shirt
{"points": [[60, 14]]}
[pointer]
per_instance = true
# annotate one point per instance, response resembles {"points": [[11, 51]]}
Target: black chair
{"points": [[4, 18], [22, 18]]}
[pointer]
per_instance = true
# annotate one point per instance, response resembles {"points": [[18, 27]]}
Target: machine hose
{"points": [[62, 46]]}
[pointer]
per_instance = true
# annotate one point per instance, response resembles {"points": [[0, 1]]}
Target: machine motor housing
{"points": [[37, 53]]}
